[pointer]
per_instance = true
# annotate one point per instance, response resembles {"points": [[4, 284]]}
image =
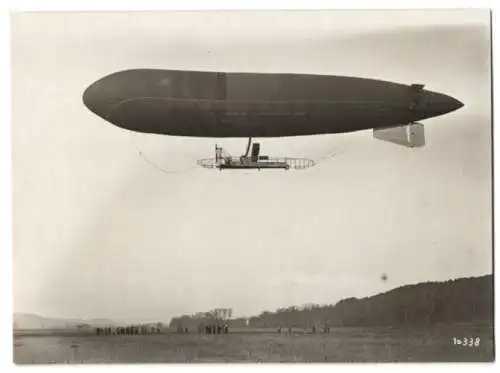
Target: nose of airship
{"points": [[105, 95], [438, 104], [99, 96]]}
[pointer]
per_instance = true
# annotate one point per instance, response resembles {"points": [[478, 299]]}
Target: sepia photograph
{"points": [[243, 186]]}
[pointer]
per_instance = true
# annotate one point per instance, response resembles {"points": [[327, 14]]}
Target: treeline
{"points": [[219, 317], [466, 300]]}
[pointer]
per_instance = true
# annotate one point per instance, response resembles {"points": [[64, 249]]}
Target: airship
{"points": [[263, 105]]}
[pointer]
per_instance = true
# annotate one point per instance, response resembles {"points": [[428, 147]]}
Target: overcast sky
{"points": [[99, 232]]}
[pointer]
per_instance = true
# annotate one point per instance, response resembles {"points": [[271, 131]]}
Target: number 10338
{"points": [[468, 342]]}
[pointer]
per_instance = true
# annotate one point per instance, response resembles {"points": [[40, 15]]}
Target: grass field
{"points": [[340, 345]]}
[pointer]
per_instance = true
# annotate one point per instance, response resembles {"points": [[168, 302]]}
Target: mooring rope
{"points": [[326, 157]]}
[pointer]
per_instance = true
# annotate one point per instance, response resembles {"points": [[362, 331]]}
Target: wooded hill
{"points": [[465, 300]]}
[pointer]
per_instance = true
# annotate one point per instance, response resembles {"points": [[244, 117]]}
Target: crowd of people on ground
{"points": [[326, 329], [127, 330], [207, 329], [216, 329]]}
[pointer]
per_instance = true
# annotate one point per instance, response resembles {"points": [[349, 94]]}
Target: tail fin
{"points": [[410, 135]]}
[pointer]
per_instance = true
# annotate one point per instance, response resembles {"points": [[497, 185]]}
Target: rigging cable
{"points": [[166, 171], [161, 169]]}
